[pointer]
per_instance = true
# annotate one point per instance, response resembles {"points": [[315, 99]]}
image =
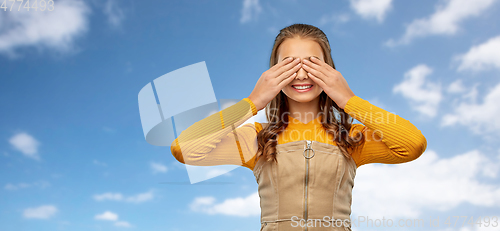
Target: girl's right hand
{"points": [[273, 80]]}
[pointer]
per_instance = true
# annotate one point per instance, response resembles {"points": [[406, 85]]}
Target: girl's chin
{"points": [[304, 98]]}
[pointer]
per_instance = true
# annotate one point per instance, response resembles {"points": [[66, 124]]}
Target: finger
{"points": [[316, 66], [282, 64], [287, 74], [317, 80], [286, 67], [278, 65], [315, 72], [321, 63], [287, 80]]}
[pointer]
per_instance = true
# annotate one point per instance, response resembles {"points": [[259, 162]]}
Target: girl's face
{"points": [[302, 89]]}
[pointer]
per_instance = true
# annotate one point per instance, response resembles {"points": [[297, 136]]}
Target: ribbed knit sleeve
{"points": [[389, 139], [219, 139]]}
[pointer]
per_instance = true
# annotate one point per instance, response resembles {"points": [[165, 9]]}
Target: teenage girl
{"points": [[305, 158]]}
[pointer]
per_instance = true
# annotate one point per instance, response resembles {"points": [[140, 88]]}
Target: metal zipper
{"points": [[309, 142]]}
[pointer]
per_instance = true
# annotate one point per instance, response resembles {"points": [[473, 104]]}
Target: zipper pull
{"points": [[307, 149]]}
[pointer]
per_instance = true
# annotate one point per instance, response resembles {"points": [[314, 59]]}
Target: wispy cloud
{"points": [[218, 172], [26, 144], [107, 216], [372, 9], [480, 118], [108, 129], [424, 96], [429, 183], [55, 30], [12, 187], [481, 57], [114, 12], [109, 196], [444, 21], [123, 224], [96, 162], [41, 212], [250, 11], [142, 197], [335, 19], [158, 167], [456, 86], [111, 216], [240, 207], [139, 198]]}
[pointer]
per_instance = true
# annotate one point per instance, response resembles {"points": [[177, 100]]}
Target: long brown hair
{"points": [[339, 127]]}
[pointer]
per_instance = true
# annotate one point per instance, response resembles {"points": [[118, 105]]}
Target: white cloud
{"points": [[444, 21], [334, 18], [481, 118], [108, 216], [142, 197], [56, 29], [41, 212], [425, 184], [96, 162], [372, 9], [217, 172], [139, 198], [241, 207], [114, 12], [26, 144], [17, 186], [481, 57], [424, 96], [109, 196], [456, 87], [471, 95], [12, 187], [158, 167], [108, 129], [123, 224], [111, 216], [251, 9]]}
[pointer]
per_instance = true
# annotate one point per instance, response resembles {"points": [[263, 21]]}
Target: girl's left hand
{"points": [[332, 82]]}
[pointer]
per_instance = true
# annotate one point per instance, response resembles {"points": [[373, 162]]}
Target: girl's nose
{"points": [[301, 74]]}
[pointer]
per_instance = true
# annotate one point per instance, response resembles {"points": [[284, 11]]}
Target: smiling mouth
{"points": [[301, 87]]}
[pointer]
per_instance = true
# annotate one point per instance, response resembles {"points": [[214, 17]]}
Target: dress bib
{"points": [[309, 188]]}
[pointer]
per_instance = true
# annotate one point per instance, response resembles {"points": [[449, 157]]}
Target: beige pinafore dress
{"points": [[310, 188]]}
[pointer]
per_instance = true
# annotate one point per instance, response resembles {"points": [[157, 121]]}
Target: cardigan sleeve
{"points": [[219, 139], [389, 138]]}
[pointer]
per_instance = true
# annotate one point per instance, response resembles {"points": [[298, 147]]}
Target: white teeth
{"points": [[302, 87]]}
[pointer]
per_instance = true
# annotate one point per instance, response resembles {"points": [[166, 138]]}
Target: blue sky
{"points": [[73, 154]]}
